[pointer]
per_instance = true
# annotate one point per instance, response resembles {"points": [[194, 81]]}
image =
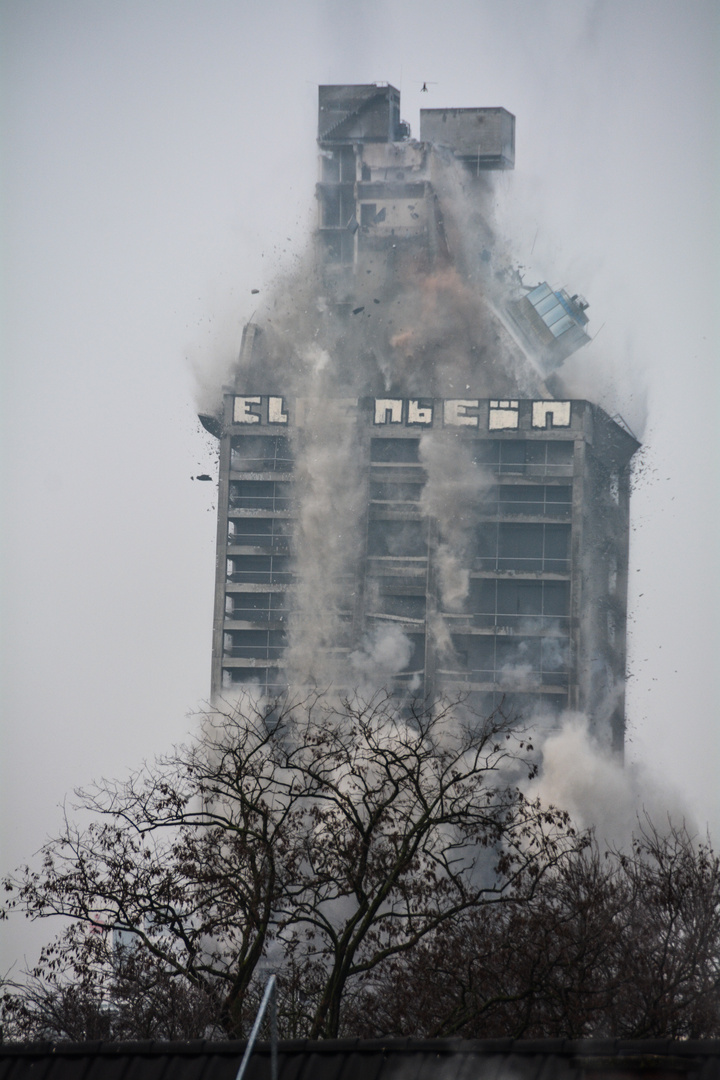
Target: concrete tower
{"points": [[487, 533]]}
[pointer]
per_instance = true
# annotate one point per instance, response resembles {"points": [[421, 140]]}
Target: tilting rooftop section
{"points": [[481, 139]]}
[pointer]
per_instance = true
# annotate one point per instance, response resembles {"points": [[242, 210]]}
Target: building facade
{"points": [[490, 532]]}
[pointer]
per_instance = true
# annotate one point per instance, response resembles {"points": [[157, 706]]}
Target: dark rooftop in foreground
{"points": [[356, 1059]]}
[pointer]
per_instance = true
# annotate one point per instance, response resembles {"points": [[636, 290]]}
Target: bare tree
{"points": [[322, 839], [611, 944]]}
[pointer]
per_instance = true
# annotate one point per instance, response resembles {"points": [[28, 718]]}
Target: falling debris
{"points": [[357, 310], [202, 476], [254, 292]]}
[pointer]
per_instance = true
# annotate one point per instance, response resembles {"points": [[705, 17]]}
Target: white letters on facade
{"points": [[388, 410], [557, 412], [242, 413], [275, 411], [418, 414], [455, 413], [503, 416]]}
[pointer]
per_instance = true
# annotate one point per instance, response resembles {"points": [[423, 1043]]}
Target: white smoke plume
{"points": [[452, 496], [383, 653], [328, 504], [600, 792]]}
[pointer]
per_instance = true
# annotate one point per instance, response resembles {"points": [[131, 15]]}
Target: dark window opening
{"points": [[540, 605], [259, 569], [270, 679], [536, 457], [539, 661], [256, 607], [260, 453], [538, 500], [330, 168], [330, 204], [332, 249], [270, 495], [261, 532], [367, 213], [254, 644], [387, 491], [404, 607], [397, 538], [347, 164], [403, 451], [506, 546]]}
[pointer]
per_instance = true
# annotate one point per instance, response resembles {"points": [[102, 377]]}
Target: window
{"points": [[260, 569], [260, 495], [387, 491], [256, 607], [400, 451], [514, 660], [260, 532], [260, 453], [367, 213], [404, 607], [330, 208], [532, 457], [506, 546], [537, 500], [397, 538], [254, 644]]}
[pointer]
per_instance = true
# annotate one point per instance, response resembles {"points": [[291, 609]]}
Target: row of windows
{"points": [[259, 569], [255, 644], [502, 603], [499, 546], [257, 607], [260, 495], [271, 681], [264, 532], [266, 453], [484, 659], [514, 659], [403, 607], [397, 538], [503, 546], [276, 495], [512, 704], [531, 456], [508, 602], [261, 453], [539, 500]]}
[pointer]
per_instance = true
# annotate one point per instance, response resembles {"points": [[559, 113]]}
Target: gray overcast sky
{"points": [[159, 163]]}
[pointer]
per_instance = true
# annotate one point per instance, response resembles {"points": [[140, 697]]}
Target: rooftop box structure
{"points": [[364, 113], [480, 138], [555, 321]]}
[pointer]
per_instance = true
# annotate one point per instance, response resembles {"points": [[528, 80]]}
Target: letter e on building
{"points": [[242, 410], [455, 413]]}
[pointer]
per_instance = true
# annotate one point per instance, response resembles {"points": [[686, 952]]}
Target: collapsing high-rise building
{"points": [[406, 496]]}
